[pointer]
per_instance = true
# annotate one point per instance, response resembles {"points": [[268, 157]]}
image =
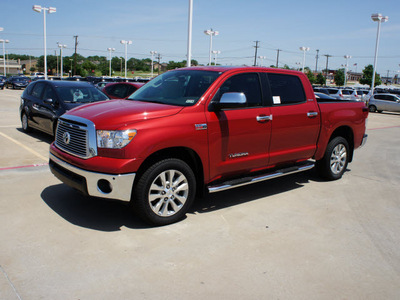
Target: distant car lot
{"points": [[57, 244]]}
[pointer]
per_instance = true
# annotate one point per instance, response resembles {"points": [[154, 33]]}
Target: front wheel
{"points": [[164, 192], [372, 108], [334, 163]]}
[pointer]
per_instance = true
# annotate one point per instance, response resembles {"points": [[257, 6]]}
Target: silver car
{"points": [[388, 102]]}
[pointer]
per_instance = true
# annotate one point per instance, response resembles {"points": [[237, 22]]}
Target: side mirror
{"points": [[48, 101], [229, 100]]}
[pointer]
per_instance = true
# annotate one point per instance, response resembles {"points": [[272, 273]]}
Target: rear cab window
{"points": [[286, 89]]}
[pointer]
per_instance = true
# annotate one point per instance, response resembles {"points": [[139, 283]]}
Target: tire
{"points": [[24, 123], [334, 163], [164, 193], [372, 108]]}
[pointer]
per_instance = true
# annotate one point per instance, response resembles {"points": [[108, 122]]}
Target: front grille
{"points": [[74, 137]]}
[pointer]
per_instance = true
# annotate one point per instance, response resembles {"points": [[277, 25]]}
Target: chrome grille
{"points": [[75, 136]]}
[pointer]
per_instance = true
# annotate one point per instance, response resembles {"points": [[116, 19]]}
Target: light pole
{"points": [[261, 59], [152, 61], [61, 46], [211, 33], [345, 69], [70, 71], [380, 19], [304, 49], [189, 43], [110, 50], [126, 43], [216, 52], [49, 10], [4, 54]]}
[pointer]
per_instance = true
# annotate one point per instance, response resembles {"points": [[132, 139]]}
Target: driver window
{"points": [[247, 83], [49, 93]]}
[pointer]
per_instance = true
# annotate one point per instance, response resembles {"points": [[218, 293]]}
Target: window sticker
{"points": [[190, 101], [276, 99]]}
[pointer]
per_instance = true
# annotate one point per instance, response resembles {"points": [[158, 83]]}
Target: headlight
{"points": [[114, 139]]}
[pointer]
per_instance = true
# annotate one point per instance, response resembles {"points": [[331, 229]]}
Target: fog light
{"points": [[104, 186]]}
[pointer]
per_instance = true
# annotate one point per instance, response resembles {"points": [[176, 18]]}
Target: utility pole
{"points": [[158, 59], [316, 63], [255, 54], [326, 73], [277, 57], [387, 77], [75, 58]]}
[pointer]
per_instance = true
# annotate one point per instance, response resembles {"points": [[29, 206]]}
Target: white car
{"points": [[388, 102]]}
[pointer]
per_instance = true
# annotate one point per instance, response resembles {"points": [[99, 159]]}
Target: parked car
{"points": [[335, 93], [44, 101], [381, 102], [321, 97], [349, 94], [17, 82], [121, 90], [2, 82], [321, 90]]}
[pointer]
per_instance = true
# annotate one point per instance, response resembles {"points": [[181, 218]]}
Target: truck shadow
{"points": [[110, 215], [269, 188]]}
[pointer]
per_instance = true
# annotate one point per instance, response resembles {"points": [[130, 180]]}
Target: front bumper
{"points": [[92, 183]]}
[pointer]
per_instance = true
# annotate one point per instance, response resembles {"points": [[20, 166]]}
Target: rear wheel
{"points": [[164, 192], [334, 163]]}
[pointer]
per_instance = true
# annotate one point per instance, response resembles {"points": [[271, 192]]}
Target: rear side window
{"points": [[37, 90], [286, 89]]}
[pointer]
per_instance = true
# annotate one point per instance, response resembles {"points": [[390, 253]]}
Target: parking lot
{"points": [[295, 237]]}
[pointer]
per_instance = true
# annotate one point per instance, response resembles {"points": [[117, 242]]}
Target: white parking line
{"points": [[25, 147]]}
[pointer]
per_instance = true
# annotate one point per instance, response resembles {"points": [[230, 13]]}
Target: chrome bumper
{"points": [[92, 183]]}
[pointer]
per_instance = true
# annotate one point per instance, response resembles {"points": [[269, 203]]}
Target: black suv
{"points": [[44, 101], [17, 82]]}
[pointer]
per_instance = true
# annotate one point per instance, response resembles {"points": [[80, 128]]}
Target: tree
{"points": [[311, 76], [320, 79], [339, 77], [367, 76]]}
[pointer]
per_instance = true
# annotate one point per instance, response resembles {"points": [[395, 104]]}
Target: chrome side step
{"points": [[304, 166]]}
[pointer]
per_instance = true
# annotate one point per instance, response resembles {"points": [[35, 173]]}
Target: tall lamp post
{"points": [[380, 19], [126, 43], [152, 61], [4, 54], [345, 68], [61, 46], [110, 50], [211, 33], [304, 49], [189, 41], [49, 10]]}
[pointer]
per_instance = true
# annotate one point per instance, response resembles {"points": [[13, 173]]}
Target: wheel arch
{"points": [[347, 133], [185, 154]]}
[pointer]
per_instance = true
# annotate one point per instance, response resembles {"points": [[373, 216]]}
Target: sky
{"points": [[336, 28]]}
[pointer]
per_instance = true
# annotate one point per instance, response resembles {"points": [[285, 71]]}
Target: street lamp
{"points": [[110, 50], [345, 70], [4, 54], [261, 59], [216, 52], [49, 10], [380, 19], [126, 43], [304, 49], [152, 61], [61, 46], [189, 41], [70, 71], [211, 33]]}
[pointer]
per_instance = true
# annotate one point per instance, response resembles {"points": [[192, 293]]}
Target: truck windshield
{"points": [[180, 87]]}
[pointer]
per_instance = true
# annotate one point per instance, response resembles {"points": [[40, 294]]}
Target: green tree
{"points": [[311, 76], [339, 77], [320, 79], [367, 76]]}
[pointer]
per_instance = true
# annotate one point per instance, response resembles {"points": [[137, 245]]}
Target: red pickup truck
{"points": [[203, 129]]}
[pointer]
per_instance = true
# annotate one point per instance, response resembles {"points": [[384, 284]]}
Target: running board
{"points": [[227, 185]]}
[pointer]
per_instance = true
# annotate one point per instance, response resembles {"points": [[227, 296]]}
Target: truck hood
{"points": [[113, 114]]}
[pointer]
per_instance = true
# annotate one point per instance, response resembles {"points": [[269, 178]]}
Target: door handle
{"points": [[264, 118], [312, 114]]}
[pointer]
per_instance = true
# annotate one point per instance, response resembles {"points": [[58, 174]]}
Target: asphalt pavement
{"points": [[294, 237]]}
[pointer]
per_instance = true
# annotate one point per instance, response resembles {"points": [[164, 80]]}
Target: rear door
{"points": [[295, 120], [239, 138]]}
